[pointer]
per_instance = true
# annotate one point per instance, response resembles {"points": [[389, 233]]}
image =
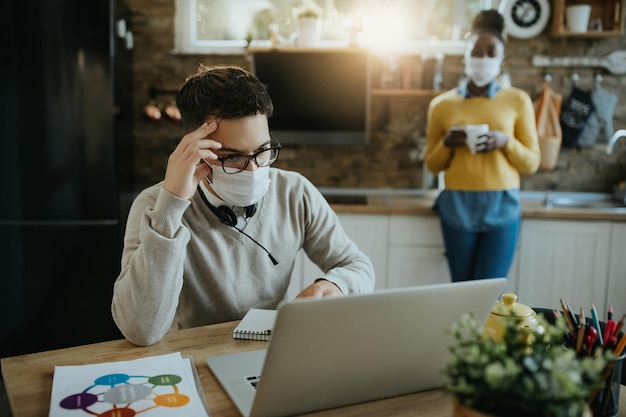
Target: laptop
{"points": [[331, 352]]}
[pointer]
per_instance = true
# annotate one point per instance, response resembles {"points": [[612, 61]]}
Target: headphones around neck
{"points": [[227, 216]]}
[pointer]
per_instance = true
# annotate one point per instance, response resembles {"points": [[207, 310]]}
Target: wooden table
{"points": [[28, 378]]}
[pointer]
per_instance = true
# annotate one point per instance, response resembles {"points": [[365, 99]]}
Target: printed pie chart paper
{"points": [[163, 385]]}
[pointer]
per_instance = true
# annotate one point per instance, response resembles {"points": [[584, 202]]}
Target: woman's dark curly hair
{"points": [[490, 21], [222, 92]]}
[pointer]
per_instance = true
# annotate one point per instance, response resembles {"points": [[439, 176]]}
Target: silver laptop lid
{"points": [[330, 352]]}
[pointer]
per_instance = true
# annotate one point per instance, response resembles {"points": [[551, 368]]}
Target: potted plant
{"points": [[530, 372], [309, 23]]}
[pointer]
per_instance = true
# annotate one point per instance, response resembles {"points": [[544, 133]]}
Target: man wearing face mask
{"points": [[220, 234], [480, 208]]}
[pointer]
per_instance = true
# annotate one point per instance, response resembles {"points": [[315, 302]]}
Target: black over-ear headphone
{"points": [[229, 218]]}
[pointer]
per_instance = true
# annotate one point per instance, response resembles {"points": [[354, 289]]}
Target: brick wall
{"points": [[391, 158]]}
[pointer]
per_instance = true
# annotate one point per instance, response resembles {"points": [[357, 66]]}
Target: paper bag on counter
{"points": [[547, 114]]}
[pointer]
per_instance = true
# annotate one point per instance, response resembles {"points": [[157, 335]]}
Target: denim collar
{"points": [[490, 91]]}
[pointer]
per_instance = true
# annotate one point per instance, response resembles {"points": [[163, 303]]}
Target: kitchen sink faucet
{"points": [[618, 134]]}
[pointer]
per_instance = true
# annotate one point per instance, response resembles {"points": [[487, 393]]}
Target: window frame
{"points": [[185, 42]]}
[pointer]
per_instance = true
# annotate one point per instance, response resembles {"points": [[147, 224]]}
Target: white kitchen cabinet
{"points": [[405, 250], [369, 232], [617, 270], [416, 252], [416, 265], [566, 260], [578, 261], [511, 279]]}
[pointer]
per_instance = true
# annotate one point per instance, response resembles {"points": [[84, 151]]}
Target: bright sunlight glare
{"points": [[383, 29]]}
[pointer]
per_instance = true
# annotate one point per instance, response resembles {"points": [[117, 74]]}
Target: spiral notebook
{"points": [[257, 324]]}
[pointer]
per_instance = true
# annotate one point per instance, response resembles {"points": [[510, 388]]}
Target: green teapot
{"points": [[508, 309]]}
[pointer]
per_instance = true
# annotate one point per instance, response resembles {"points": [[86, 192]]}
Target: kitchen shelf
{"points": [[610, 12], [397, 92]]}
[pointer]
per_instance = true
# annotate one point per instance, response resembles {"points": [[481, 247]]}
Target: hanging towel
{"points": [[574, 115], [599, 126], [547, 112]]}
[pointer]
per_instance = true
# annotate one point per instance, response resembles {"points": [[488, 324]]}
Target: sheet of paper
{"points": [[153, 386]]}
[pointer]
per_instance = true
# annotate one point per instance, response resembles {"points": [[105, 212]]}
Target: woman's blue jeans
{"points": [[478, 255]]}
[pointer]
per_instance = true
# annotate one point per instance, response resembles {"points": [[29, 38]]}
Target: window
{"points": [[228, 26]]}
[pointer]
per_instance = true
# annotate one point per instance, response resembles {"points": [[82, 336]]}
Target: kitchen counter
{"points": [[420, 202]]}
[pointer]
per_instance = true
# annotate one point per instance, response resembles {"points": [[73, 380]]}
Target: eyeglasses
{"points": [[233, 164]]}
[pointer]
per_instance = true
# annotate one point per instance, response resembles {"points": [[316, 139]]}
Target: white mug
{"points": [[475, 135], [578, 17]]}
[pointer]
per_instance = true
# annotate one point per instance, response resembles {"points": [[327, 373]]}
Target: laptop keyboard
{"points": [[253, 380]]}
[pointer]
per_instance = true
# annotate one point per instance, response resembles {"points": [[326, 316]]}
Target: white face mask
{"points": [[242, 189], [481, 71]]}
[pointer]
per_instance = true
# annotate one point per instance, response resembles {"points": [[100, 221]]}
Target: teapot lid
{"points": [[509, 306]]}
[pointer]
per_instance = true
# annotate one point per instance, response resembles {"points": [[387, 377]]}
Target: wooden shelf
{"points": [[300, 49], [609, 12], [589, 35], [397, 92]]}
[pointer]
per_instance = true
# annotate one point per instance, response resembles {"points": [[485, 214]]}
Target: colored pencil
{"points": [[596, 324], [580, 337], [568, 317], [620, 346], [620, 324]]}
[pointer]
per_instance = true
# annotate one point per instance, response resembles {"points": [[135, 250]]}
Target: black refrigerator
{"points": [[59, 210]]}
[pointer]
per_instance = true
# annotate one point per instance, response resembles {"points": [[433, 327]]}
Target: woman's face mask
{"points": [[242, 189], [481, 71], [483, 58]]}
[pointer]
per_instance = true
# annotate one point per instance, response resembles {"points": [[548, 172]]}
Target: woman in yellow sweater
{"points": [[480, 208]]}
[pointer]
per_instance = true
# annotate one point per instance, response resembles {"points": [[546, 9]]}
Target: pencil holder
{"points": [[606, 402], [547, 313]]}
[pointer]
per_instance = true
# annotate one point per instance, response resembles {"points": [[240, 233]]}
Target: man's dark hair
{"points": [[490, 21], [222, 92]]}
